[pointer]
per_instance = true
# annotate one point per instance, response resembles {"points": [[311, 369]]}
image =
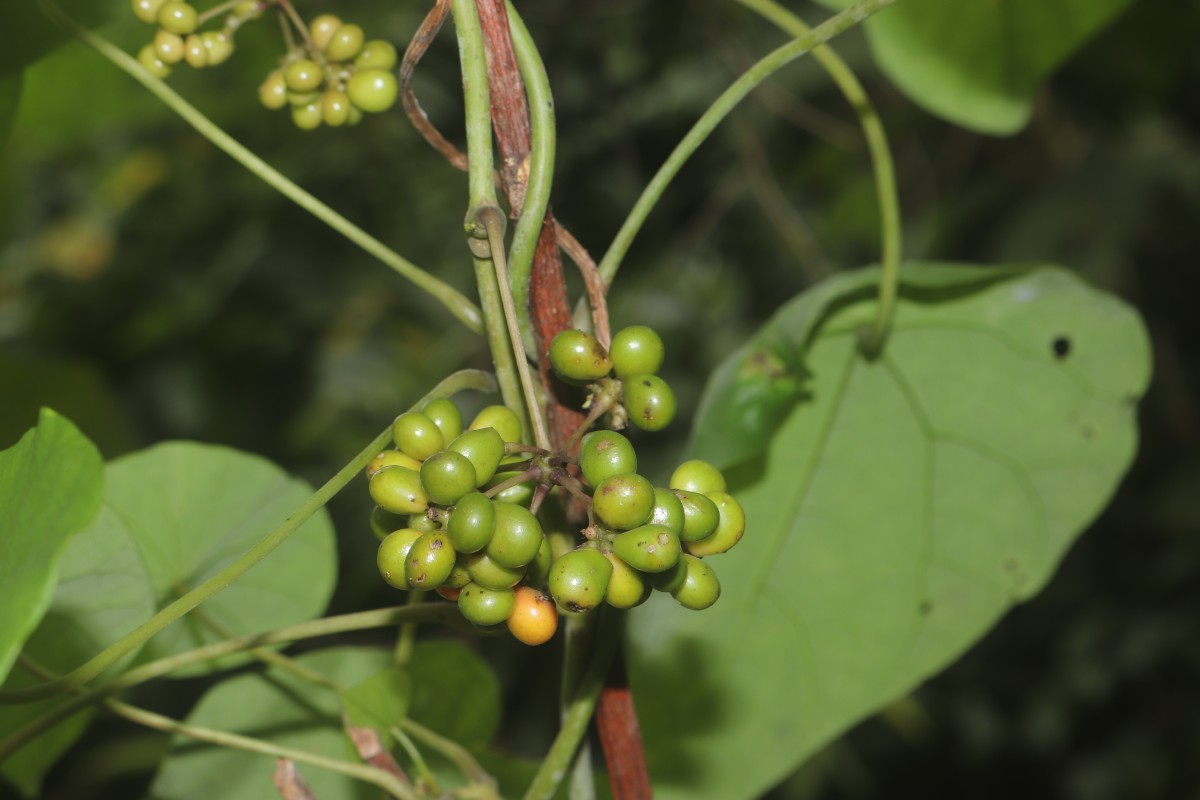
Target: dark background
{"points": [[151, 289]]}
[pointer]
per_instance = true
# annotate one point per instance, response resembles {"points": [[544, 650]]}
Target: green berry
{"points": [[219, 45], [335, 108], [447, 476], [430, 561], [398, 490], [700, 515], [392, 553], [149, 59], [579, 579], [517, 537], [273, 91], [483, 606], [301, 99], [445, 414], [636, 350], [649, 402], [422, 523], [626, 588], [520, 494], [373, 90], [669, 579], [503, 419], [384, 522], [698, 476], [345, 44], [537, 572], [194, 51], [377, 54], [471, 523], [700, 588], [168, 46], [728, 531], [483, 448], [578, 357], [668, 510], [487, 573], [391, 458], [147, 10], [458, 577], [604, 454], [623, 501], [177, 17], [307, 117], [304, 75], [650, 548], [322, 29], [417, 435]]}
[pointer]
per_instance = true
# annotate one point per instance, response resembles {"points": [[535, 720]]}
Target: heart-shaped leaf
{"points": [[978, 64], [902, 506], [380, 701], [192, 509]]}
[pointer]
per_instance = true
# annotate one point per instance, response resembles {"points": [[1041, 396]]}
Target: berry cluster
{"points": [[457, 510], [330, 78], [622, 378]]}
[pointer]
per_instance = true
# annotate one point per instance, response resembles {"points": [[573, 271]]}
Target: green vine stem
{"points": [[455, 754], [458, 305], [577, 714], [541, 169], [459, 381], [881, 161], [720, 108], [445, 613]]}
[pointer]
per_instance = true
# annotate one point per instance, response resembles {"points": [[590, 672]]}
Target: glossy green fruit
{"points": [[458, 577], [177, 17], [517, 537], [307, 117], [422, 523], [700, 515], [392, 458], [373, 90], [502, 418], [487, 573], [194, 51], [636, 350], [578, 357], [483, 606], [447, 476], [668, 510], [445, 414], [520, 494], [384, 522], [398, 490], [579, 579], [471, 523], [322, 29], [149, 59], [335, 108], [345, 44], [626, 587], [219, 45], [392, 553], [537, 572], [168, 46], [623, 501], [304, 75], [147, 10], [417, 435], [430, 561], [273, 91], [729, 530], [650, 548], [700, 588], [604, 454], [649, 402], [483, 448], [669, 579], [377, 54], [301, 99], [698, 476]]}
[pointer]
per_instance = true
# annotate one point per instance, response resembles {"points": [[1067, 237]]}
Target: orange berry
{"points": [[534, 617]]}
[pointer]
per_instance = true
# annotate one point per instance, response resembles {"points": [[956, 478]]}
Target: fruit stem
{"points": [[298, 22], [602, 402], [215, 11], [534, 472], [402, 654]]}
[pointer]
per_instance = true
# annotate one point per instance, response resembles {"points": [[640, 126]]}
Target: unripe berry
{"points": [[373, 90], [700, 588], [304, 75], [534, 618], [517, 537], [603, 454], [398, 490], [636, 350], [650, 548], [273, 91], [485, 606], [149, 59], [429, 561], [194, 51], [177, 17], [729, 529], [487, 573], [392, 553], [392, 458], [471, 523], [649, 401], [335, 108], [626, 587], [483, 448], [502, 418], [322, 29], [147, 10], [219, 45], [578, 357], [168, 46], [579, 579], [346, 43], [445, 414], [537, 572], [307, 117], [624, 501], [416, 435], [698, 476], [447, 476], [668, 510], [376, 54], [384, 522], [700, 515]]}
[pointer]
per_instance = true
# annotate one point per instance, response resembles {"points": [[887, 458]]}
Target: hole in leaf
{"points": [[1061, 347]]}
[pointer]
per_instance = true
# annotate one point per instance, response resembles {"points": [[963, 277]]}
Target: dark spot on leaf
{"points": [[1061, 345], [1088, 432], [1010, 565], [926, 608]]}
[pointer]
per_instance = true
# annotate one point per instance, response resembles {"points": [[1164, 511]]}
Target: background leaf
{"points": [[979, 64], [282, 708], [192, 509], [28, 34], [902, 507], [380, 701], [50, 484], [103, 592]]}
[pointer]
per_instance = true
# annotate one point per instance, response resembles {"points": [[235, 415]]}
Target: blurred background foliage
{"points": [[151, 289]]}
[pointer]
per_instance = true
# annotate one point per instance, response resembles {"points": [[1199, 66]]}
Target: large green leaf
{"points": [[192, 509], [978, 64], [103, 591], [50, 483], [28, 34], [282, 708], [902, 506]]}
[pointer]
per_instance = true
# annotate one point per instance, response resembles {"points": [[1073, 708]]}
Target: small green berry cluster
{"points": [[334, 78], [622, 379], [178, 38]]}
